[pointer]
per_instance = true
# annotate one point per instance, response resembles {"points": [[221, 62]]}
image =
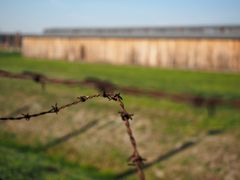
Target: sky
{"points": [[33, 16]]}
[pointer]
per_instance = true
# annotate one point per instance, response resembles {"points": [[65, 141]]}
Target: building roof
{"points": [[149, 32]]}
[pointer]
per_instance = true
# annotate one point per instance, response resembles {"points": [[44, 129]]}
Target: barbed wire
{"points": [[196, 100], [135, 159], [41, 79]]}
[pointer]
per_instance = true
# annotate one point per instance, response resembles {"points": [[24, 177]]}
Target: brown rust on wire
{"points": [[134, 159], [196, 101]]}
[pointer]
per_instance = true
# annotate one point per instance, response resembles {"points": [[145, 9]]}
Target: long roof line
{"points": [[149, 32]]}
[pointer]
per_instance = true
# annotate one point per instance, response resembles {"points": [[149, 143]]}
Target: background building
{"points": [[10, 41], [204, 48]]}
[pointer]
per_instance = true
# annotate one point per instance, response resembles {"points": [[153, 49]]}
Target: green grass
{"points": [[204, 83], [19, 161], [158, 124], [28, 165]]}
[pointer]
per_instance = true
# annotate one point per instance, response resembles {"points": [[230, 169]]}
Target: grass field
{"points": [[101, 152]]}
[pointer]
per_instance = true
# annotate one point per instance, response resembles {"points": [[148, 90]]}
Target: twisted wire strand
{"points": [[135, 159]]}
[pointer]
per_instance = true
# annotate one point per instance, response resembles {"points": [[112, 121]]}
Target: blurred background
{"points": [[176, 65]]}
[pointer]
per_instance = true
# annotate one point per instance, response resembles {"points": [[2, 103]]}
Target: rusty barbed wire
{"points": [[42, 79], [134, 159], [195, 100]]}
